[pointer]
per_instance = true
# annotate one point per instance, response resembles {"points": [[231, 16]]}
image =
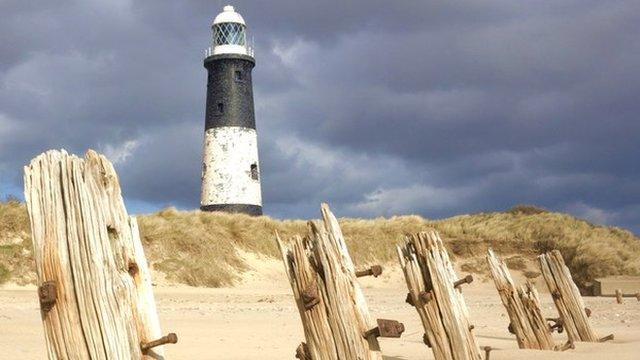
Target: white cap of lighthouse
{"points": [[229, 34]]}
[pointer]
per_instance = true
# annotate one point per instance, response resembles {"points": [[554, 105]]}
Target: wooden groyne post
{"points": [[567, 298], [335, 316], [436, 292], [95, 287], [523, 307]]}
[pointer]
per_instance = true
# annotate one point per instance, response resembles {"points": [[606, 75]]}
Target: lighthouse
{"points": [[230, 167]]}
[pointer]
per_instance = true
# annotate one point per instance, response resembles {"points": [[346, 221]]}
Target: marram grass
{"points": [[199, 248]]}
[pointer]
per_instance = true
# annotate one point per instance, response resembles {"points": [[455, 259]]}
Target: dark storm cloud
{"points": [[378, 107]]}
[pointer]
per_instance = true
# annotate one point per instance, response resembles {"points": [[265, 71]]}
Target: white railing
{"points": [[210, 50]]}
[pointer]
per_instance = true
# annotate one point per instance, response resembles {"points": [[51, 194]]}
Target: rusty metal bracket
{"points": [[47, 293], [171, 338], [556, 295], [386, 328], [310, 297], [375, 271], [465, 280], [302, 352]]}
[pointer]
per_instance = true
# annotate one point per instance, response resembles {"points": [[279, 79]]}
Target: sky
{"points": [[379, 108]]}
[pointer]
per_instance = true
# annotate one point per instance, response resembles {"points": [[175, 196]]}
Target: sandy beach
{"points": [[258, 320]]}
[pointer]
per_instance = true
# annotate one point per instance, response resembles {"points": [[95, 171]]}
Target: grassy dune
{"points": [[199, 249]]}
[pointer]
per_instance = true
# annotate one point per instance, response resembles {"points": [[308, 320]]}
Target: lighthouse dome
{"points": [[228, 15], [229, 34]]}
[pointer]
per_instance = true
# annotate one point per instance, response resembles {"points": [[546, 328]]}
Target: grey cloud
{"points": [[377, 107]]}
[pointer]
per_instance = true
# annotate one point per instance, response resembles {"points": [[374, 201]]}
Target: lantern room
{"points": [[229, 34]]}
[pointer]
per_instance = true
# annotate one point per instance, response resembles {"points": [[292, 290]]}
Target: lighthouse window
{"points": [[229, 34], [238, 75], [254, 172], [221, 108]]}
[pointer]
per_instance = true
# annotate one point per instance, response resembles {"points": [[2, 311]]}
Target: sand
{"points": [[258, 320]]}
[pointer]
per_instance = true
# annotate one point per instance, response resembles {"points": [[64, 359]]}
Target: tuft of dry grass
{"points": [[524, 209], [200, 248], [475, 265], [16, 260], [516, 262]]}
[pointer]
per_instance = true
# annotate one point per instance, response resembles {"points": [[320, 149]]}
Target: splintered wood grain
{"points": [[334, 328], [86, 243], [428, 270], [523, 307], [566, 297]]}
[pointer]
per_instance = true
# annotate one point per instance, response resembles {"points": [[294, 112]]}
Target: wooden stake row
{"points": [[97, 301], [434, 290]]}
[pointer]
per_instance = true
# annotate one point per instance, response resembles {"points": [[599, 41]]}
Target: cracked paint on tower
{"points": [[230, 166]]}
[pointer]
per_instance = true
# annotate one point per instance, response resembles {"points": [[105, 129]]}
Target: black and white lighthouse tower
{"points": [[230, 167]]}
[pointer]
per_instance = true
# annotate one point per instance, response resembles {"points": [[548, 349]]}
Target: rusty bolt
{"points": [[375, 271], [133, 269], [172, 338], [558, 325], [587, 311], [487, 352], [425, 340], [409, 300], [606, 338], [556, 295], [310, 297], [465, 280], [47, 293], [471, 327], [425, 297], [386, 328], [390, 328], [510, 328]]}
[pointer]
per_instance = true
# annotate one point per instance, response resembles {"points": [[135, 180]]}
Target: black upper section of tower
{"points": [[229, 91]]}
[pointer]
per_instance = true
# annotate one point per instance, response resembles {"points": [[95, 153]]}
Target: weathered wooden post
{"points": [[619, 296], [94, 283], [335, 317], [523, 307], [435, 292], [567, 298]]}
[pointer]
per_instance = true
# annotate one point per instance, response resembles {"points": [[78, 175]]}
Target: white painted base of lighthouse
{"points": [[230, 168]]}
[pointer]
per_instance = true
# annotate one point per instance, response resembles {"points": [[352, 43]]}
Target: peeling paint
{"points": [[229, 153]]}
